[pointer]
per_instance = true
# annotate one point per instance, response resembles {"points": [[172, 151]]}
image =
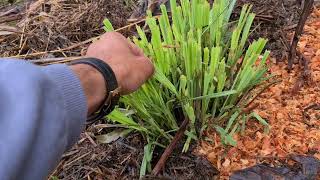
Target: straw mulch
{"points": [[54, 28]]}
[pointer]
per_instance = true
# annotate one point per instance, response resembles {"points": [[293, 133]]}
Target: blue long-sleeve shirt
{"points": [[42, 113]]}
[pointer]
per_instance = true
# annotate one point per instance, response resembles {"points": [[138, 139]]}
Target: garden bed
{"points": [[294, 128], [292, 131]]}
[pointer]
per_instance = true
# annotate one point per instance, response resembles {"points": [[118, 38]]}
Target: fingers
{"points": [[147, 66], [112, 35], [121, 40], [135, 49], [131, 67], [138, 78]]}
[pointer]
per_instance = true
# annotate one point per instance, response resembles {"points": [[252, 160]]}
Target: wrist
{"points": [[93, 83]]}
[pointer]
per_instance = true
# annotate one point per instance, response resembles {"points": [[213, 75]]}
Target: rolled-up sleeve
{"points": [[42, 113]]}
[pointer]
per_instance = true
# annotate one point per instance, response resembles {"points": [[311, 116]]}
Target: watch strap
{"points": [[113, 91]]}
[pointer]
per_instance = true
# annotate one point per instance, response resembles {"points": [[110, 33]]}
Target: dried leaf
{"points": [[112, 136]]}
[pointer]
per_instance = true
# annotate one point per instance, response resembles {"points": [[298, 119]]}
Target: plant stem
{"points": [[161, 163]]}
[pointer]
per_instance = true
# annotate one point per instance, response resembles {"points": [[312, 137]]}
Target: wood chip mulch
{"points": [[293, 115]]}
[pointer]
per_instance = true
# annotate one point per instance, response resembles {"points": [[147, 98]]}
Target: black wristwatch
{"points": [[113, 91]]}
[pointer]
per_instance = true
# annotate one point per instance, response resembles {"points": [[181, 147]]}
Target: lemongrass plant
{"points": [[204, 69]]}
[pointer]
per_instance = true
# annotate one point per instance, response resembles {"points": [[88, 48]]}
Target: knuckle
{"points": [[115, 34], [147, 66], [105, 35], [111, 35], [151, 67]]}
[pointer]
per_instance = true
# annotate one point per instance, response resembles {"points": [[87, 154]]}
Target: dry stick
{"points": [[13, 30], [49, 61], [75, 160], [305, 74], [10, 18], [303, 18], [14, 10], [162, 161]]}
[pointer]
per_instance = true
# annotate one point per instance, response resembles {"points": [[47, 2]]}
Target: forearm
{"points": [[43, 109], [42, 113], [93, 85]]}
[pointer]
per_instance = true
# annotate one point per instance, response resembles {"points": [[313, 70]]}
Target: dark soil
{"points": [[189, 166], [118, 160], [122, 159], [275, 20]]}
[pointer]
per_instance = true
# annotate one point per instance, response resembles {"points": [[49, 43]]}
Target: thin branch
{"points": [[303, 18], [10, 18]]}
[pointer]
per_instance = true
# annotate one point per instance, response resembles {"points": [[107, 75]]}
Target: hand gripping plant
{"points": [[204, 72]]}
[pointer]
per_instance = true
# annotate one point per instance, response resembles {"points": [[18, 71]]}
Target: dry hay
{"points": [[293, 130], [56, 24]]}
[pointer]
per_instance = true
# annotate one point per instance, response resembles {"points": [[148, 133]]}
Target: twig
{"points": [[91, 140], [161, 163], [68, 154], [75, 160], [13, 30], [10, 18], [290, 27], [14, 10], [265, 17], [304, 15], [49, 61]]}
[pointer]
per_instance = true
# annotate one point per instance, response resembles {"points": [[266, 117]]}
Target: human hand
{"points": [[127, 61]]}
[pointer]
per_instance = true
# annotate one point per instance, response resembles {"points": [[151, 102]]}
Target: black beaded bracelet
{"points": [[113, 91]]}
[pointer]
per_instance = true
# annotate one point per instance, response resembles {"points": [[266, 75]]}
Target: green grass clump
{"points": [[204, 70]]}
